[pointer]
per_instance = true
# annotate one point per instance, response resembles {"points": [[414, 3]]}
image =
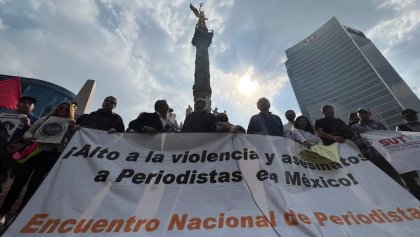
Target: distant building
{"points": [[338, 65], [47, 94]]}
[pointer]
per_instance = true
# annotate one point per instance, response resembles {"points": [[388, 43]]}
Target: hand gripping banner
{"points": [[212, 185]]}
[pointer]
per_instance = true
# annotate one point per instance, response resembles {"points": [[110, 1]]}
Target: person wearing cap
{"points": [[200, 120], [411, 123], [366, 124], [25, 106], [157, 122], [331, 129], [265, 123], [104, 118]]}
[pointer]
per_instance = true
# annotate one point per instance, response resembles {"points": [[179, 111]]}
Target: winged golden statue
{"points": [[200, 15]]}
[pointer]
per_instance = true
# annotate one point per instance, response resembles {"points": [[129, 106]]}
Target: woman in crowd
{"points": [[304, 133], [37, 167]]}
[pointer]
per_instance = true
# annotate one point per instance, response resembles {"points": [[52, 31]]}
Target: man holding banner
{"points": [[104, 118], [156, 122], [329, 128], [411, 124], [366, 124]]}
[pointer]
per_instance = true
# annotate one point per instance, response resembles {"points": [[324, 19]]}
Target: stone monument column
{"points": [[201, 40]]}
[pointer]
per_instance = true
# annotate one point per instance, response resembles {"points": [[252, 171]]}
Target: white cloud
{"points": [[141, 51], [66, 46], [396, 4], [396, 36], [2, 25], [392, 32], [398, 28]]}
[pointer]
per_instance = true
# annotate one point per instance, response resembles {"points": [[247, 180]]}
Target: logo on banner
{"points": [[402, 142], [53, 129]]}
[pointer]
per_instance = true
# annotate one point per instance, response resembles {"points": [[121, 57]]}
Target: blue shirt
{"points": [[371, 125], [266, 124]]}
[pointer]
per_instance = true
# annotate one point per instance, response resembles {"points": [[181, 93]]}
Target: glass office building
{"points": [[338, 65], [47, 94]]}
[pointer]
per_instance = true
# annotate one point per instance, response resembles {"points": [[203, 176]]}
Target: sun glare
{"points": [[246, 85]]}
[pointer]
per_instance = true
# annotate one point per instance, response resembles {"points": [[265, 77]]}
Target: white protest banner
{"points": [[212, 185], [400, 149], [52, 130], [9, 123]]}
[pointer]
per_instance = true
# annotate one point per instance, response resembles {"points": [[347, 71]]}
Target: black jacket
{"points": [[101, 120], [150, 120], [199, 122]]}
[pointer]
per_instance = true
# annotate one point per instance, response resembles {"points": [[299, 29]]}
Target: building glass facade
{"points": [[47, 94], [338, 65]]}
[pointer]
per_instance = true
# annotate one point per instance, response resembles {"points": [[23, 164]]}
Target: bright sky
{"points": [[140, 51]]}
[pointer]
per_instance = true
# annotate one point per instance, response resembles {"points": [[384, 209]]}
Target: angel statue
{"points": [[200, 15]]}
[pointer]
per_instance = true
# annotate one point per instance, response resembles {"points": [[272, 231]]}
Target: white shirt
{"points": [[301, 136], [287, 128], [163, 120]]}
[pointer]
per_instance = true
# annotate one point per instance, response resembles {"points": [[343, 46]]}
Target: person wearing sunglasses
{"points": [[103, 118]]}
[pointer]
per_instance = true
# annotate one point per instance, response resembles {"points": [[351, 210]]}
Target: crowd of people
{"points": [[326, 130]]}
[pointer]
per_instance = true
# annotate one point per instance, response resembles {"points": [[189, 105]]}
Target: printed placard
{"points": [[52, 130], [8, 124]]}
